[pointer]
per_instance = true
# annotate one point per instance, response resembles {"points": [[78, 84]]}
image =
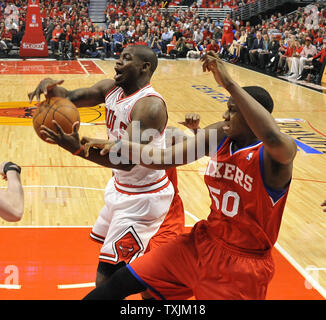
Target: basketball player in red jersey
{"points": [[227, 36], [137, 199], [227, 256]]}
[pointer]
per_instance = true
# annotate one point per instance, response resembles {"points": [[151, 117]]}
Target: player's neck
{"points": [[134, 87], [242, 142]]}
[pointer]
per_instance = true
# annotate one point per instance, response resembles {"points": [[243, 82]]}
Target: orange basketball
{"points": [[62, 110]]}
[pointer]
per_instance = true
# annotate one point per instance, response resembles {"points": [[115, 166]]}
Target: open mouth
{"points": [[118, 74], [226, 126]]}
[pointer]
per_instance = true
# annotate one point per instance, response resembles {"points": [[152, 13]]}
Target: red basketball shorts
{"points": [[194, 265], [227, 39]]}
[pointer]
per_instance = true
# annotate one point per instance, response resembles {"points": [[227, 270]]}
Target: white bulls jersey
{"points": [[118, 112]]}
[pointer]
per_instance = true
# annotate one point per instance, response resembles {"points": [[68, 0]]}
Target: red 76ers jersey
{"points": [[245, 213]]}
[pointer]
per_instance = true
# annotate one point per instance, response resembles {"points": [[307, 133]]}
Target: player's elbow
{"points": [[14, 218], [17, 212], [12, 215], [282, 147]]}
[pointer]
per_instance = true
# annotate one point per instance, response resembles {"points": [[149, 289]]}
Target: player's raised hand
{"points": [[324, 205], [69, 142], [93, 143], [191, 121], [45, 87], [211, 62]]}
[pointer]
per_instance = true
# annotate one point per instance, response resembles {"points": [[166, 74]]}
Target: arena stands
{"points": [[288, 44]]}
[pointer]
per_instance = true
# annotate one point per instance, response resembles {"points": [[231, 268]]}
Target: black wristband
{"points": [[11, 166]]}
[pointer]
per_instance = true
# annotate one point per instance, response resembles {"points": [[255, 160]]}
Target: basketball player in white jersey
{"points": [[137, 199]]}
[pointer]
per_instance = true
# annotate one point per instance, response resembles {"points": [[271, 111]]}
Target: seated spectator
{"points": [[273, 53], [107, 40], [314, 72], [117, 41], [263, 54], [65, 46], [181, 49], [85, 35], [197, 35], [140, 42], [202, 46], [95, 47], [293, 60], [194, 51], [166, 38], [156, 46], [6, 40], [285, 51], [234, 48], [256, 47], [213, 46], [54, 42], [148, 37], [308, 51]]}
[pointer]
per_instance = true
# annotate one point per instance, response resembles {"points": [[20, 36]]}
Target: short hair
{"points": [[262, 96], [146, 54]]}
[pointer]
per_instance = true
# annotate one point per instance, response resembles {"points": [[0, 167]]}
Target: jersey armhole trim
{"points": [[144, 283], [221, 143], [274, 194]]}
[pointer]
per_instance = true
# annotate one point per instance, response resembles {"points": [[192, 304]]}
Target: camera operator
{"points": [[156, 46], [65, 43]]}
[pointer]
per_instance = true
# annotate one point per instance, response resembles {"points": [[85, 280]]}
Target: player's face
{"points": [[127, 68], [235, 125]]}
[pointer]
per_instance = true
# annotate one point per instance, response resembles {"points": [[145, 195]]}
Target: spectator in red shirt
{"points": [[213, 46], [140, 42], [54, 42]]}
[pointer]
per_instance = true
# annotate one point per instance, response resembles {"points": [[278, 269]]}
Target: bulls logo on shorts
{"points": [[127, 247]]}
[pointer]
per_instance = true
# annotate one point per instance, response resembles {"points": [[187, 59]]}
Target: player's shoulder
{"points": [[151, 105]]}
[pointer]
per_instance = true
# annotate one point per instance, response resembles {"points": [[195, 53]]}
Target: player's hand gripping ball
{"points": [[62, 110]]}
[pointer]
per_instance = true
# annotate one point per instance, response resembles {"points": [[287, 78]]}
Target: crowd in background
{"points": [[292, 45]]}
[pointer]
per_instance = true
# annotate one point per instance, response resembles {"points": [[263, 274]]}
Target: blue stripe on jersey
{"points": [[274, 194], [221, 143], [143, 282]]}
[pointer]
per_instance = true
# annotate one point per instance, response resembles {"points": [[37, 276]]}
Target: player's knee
{"points": [[106, 270], [100, 278]]}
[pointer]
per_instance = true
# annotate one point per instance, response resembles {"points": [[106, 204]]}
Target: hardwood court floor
{"points": [[62, 190]]}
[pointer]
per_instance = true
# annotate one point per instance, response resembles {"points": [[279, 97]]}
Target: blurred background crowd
{"points": [[291, 44]]}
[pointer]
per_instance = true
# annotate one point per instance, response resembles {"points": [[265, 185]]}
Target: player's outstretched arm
{"points": [[83, 97], [280, 147], [190, 149], [12, 199], [72, 143]]}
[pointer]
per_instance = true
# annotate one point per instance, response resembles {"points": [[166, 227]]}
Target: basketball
{"points": [[62, 110]]}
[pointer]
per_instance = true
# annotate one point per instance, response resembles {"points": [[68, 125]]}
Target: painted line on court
{"points": [[312, 281], [10, 286], [83, 67], [313, 128], [76, 285], [99, 67]]}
